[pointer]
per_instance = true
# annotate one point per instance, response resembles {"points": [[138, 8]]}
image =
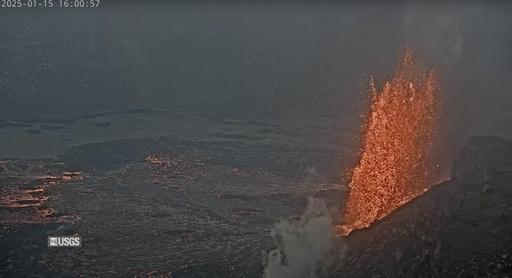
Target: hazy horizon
{"points": [[254, 60]]}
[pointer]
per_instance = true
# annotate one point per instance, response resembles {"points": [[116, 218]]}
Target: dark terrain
{"points": [[456, 229], [161, 205], [173, 207]]}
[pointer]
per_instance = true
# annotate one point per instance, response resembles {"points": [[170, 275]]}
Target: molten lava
{"points": [[395, 164]]}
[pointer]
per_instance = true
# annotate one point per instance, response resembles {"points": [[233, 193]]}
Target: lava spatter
{"points": [[395, 164]]}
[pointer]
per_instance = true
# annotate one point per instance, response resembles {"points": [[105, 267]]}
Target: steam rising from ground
{"points": [[305, 248]]}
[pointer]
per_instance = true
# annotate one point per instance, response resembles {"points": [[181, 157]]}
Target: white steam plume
{"points": [[305, 248]]}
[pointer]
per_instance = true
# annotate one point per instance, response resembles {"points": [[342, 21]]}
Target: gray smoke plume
{"points": [[305, 248], [467, 44]]}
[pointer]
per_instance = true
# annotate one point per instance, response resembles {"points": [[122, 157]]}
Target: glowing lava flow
{"points": [[394, 166]]}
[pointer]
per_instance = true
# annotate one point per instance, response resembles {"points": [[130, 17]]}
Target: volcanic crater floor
{"points": [[168, 206], [159, 206]]}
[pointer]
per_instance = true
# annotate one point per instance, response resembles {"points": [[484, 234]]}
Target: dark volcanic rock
{"points": [[453, 230], [481, 155], [204, 209]]}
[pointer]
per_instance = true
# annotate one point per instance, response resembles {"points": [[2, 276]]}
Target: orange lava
{"points": [[395, 165]]}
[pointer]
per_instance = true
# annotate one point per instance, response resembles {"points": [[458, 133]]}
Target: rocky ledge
{"points": [[459, 228]]}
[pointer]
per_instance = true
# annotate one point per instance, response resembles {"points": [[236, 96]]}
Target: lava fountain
{"points": [[395, 164]]}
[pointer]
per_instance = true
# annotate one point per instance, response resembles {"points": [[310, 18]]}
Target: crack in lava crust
{"points": [[395, 163]]}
